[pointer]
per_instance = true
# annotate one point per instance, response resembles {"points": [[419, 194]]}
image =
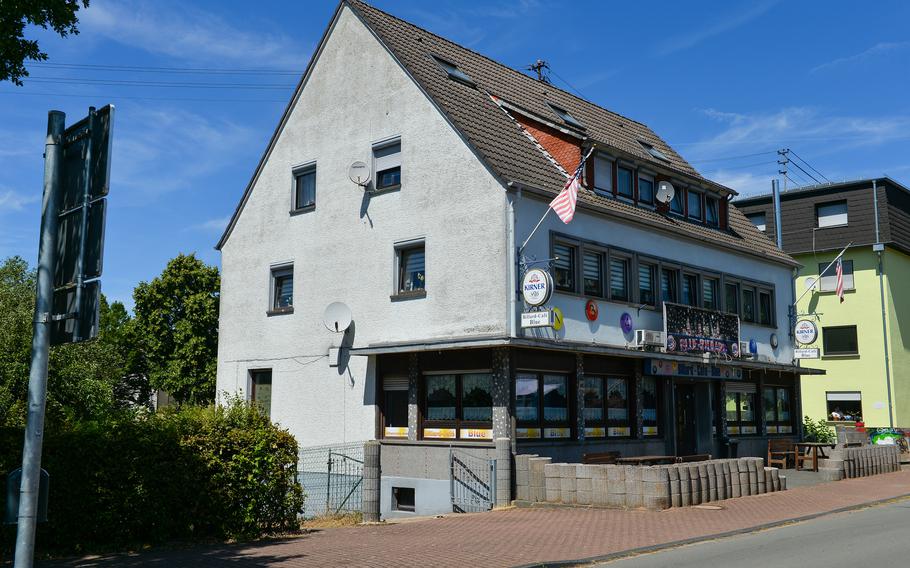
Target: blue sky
{"points": [[827, 79]]}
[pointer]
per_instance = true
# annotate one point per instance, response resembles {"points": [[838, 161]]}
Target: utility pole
{"points": [[783, 161], [538, 67], [37, 380]]}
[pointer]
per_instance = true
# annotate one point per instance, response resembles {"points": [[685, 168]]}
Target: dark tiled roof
{"points": [[514, 158]]}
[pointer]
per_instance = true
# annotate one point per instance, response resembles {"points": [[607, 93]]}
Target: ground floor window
{"points": [[607, 406], [395, 407], [845, 406], [740, 409], [777, 401], [650, 406], [458, 406], [261, 390], [542, 405]]}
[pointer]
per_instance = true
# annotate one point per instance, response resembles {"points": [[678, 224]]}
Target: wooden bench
{"points": [[600, 458], [693, 458], [780, 451]]}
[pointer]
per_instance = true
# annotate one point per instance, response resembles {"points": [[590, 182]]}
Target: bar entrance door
{"points": [[686, 420]]}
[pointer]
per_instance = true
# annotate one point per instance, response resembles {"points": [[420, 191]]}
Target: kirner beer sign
{"points": [[536, 287]]}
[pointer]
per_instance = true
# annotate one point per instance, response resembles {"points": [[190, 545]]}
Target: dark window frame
{"points": [[627, 262], [573, 269], [832, 273], [377, 173], [701, 205], [776, 420], [604, 421], [453, 71], [828, 353], [647, 177], [566, 116], [604, 262], [401, 250], [277, 274], [631, 171], [843, 202], [298, 173], [659, 409], [254, 375], [571, 403], [739, 422], [459, 422], [654, 267], [716, 279]]}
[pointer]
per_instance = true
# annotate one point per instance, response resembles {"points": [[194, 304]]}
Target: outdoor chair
{"points": [[780, 451]]}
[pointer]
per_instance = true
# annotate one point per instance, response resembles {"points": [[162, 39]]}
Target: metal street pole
{"points": [[37, 381]]}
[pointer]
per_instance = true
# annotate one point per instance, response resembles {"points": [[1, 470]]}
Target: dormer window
{"points": [[712, 217], [565, 116], [695, 205], [654, 151], [454, 72]]}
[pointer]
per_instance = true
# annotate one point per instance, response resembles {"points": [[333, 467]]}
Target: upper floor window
{"points": [[694, 200], [282, 289], [690, 289], [831, 214], [840, 340], [603, 175], [646, 284], [731, 297], [305, 187], [669, 285], [593, 268], [828, 278], [387, 165], [676, 204], [758, 219], [645, 189], [654, 151], [564, 266], [748, 304], [619, 279], [565, 116], [710, 299], [712, 215], [624, 182], [765, 308], [453, 71], [412, 276]]}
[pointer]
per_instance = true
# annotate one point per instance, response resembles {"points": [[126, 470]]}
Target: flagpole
{"points": [[547, 212], [822, 272]]}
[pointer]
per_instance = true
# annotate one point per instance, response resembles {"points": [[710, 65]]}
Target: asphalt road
{"points": [[867, 538]]}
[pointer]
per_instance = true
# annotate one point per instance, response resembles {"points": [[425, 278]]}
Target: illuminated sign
{"points": [[536, 287], [696, 330]]}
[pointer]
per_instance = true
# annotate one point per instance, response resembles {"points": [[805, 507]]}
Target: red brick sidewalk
{"points": [[522, 536]]}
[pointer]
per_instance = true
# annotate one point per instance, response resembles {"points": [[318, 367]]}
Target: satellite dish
{"points": [[337, 317], [359, 173], [665, 192]]}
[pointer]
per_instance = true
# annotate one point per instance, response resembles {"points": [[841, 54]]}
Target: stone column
{"points": [[580, 395], [503, 472], [413, 386], [371, 481], [502, 389]]}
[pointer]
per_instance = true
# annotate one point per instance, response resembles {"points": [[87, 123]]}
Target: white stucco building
{"points": [[464, 154]]}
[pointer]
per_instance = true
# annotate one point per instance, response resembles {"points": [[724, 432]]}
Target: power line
{"points": [[571, 86], [109, 96], [723, 169], [810, 166], [733, 157], [151, 69], [168, 84], [804, 171]]}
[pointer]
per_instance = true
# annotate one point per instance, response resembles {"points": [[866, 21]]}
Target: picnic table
{"points": [[805, 449], [647, 460]]}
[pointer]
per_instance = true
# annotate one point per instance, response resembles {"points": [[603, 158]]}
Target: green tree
{"points": [[119, 330], [59, 15], [177, 318]]}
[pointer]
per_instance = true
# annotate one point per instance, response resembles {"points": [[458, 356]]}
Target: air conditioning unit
{"points": [[744, 352], [649, 338]]}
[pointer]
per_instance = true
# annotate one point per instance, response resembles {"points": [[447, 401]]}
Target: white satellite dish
{"points": [[665, 192], [337, 317], [359, 173]]}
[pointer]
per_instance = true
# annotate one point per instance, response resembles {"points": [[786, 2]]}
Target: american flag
{"points": [[839, 272], [564, 203]]}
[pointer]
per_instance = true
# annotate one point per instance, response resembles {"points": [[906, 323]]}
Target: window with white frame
{"points": [[831, 214], [281, 298], [828, 278], [758, 219], [304, 187], [387, 165], [603, 175], [411, 273]]}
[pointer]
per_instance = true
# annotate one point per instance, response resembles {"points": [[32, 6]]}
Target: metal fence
{"points": [[472, 482], [332, 478]]}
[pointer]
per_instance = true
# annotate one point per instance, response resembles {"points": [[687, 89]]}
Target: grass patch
{"points": [[333, 521]]}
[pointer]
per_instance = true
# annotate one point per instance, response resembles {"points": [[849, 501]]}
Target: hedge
{"points": [[179, 475]]}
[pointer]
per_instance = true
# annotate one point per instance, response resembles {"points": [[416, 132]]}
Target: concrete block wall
{"points": [[845, 463], [652, 487]]}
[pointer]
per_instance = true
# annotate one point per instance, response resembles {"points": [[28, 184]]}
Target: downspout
{"points": [[879, 248], [512, 259]]}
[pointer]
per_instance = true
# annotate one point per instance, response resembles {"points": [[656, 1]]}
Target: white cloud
{"points": [[13, 201], [188, 33], [881, 48], [685, 41], [216, 225]]}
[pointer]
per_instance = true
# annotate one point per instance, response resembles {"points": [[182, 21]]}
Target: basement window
{"points": [[565, 116], [454, 72], [403, 499]]}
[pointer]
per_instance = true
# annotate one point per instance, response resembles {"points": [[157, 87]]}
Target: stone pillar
{"points": [[413, 397], [502, 389], [371, 481], [580, 395], [503, 472]]}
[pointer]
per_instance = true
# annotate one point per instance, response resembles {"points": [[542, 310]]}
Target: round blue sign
{"points": [[625, 322], [753, 346]]}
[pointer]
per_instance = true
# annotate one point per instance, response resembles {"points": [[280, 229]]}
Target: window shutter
{"points": [[387, 157], [740, 387], [395, 383]]}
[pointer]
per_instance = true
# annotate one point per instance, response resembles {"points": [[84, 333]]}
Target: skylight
{"points": [[567, 118], [654, 151], [454, 72]]}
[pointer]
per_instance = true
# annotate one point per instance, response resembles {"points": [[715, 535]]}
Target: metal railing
{"points": [[472, 482], [332, 479]]}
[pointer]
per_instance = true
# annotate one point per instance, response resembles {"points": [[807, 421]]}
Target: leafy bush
{"points": [[194, 473], [818, 431]]}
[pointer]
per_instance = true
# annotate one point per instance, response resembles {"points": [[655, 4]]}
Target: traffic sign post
{"points": [[76, 181]]}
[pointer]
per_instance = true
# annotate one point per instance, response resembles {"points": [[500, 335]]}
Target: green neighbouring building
{"points": [[863, 343]]}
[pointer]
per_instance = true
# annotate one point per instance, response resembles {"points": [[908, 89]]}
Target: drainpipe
{"points": [[513, 260], [879, 248], [775, 192]]}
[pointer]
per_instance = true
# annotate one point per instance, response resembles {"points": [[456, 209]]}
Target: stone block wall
{"points": [[845, 463], [537, 480]]}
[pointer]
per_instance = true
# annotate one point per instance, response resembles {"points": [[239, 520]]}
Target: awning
{"points": [[475, 342]]}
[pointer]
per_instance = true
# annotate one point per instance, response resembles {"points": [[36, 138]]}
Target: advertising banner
{"points": [[697, 330]]}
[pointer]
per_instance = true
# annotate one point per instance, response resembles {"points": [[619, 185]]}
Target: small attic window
{"points": [[654, 151], [565, 116], [454, 72]]}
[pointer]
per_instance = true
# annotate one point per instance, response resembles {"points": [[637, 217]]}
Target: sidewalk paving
{"points": [[517, 537]]}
